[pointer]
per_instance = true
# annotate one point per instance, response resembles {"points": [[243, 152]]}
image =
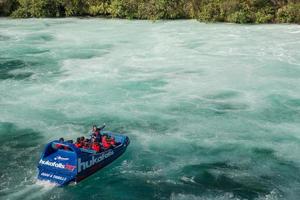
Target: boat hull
{"points": [[62, 162]]}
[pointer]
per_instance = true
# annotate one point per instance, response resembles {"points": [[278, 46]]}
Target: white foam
{"points": [[163, 82], [180, 196]]}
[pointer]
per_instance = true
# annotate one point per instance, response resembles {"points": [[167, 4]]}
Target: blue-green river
{"points": [[212, 110]]}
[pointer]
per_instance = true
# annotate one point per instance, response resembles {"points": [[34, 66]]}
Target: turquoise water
{"points": [[212, 110]]}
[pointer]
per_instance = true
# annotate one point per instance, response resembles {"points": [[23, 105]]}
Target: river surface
{"points": [[212, 110]]}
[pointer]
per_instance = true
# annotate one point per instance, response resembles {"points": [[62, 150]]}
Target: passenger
{"points": [[113, 142], [105, 142], [78, 143], [82, 141], [59, 146], [96, 146], [87, 144], [108, 142]]}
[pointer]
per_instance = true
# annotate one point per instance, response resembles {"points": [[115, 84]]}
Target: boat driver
{"points": [[96, 133]]}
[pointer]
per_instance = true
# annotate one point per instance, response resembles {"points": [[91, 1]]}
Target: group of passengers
{"points": [[98, 141]]}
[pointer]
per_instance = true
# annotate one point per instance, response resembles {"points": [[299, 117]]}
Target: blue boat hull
{"points": [[100, 165], [62, 162]]}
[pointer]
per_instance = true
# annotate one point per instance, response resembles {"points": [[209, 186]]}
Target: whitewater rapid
{"points": [[212, 110]]}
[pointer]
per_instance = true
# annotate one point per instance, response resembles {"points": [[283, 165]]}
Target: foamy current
{"points": [[212, 110]]}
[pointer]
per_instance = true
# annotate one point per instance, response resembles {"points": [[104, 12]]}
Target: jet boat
{"points": [[62, 163]]}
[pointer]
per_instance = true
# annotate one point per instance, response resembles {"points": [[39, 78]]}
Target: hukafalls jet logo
{"points": [[57, 165], [94, 160], [52, 164]]}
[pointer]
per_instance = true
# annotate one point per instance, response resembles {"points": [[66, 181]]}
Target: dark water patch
{"points": [[4, 38], [263, 152], [220, 102], [206, 166], [293, 103], [38, 51], [19, 76], [280, 109], [223, 106], [11, 135], [288, 174], [153, 85], [33, 51], [20, 149], [221, 149], [206, 108], [58, 22], [16, 68], [86, 54], [223, 95], [227, 184], [40, 38], [10, 65], [193, 72], [23, 51], [110, 188], [7, 66], [217, 112], [215, 176]]}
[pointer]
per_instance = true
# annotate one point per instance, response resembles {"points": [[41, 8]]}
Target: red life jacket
{"points": [[96, 147], [78, 145], [105, 144], [113, 142]]}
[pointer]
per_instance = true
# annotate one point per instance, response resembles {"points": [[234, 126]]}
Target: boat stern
{"points": [[58, 163]]}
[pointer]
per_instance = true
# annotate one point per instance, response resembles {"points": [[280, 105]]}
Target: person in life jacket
{"points": [[78, 143], [82, 141], [108, 141], [96, 146], [86, 144], [113, 141], [59, 146], [105, 142]]}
